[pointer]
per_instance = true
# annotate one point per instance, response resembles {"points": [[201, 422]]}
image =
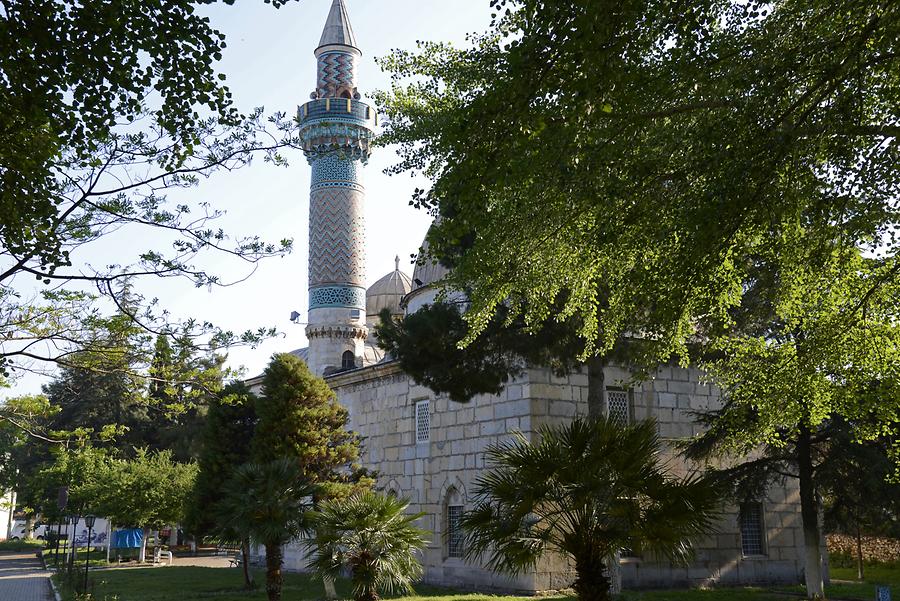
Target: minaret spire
{"points": [[338, 31], [337, 128]]}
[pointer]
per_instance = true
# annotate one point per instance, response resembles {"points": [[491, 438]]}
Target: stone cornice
{"points": [[364, 374]]}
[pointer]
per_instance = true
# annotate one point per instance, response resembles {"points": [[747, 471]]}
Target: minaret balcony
{"points": [[337, 125], [344, 109]]}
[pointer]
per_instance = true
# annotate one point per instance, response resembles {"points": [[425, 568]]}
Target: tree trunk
{"points": [[142, 557], [245, 560], [809, 513], [596, 387], [860, 571], [591, 582], [330, 591], [274, 577], [29, 527]]}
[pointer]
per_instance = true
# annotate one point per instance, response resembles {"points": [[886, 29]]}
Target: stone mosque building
{"points": [[430, 450]]}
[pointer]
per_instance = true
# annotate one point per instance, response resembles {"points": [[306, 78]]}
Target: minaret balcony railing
{"points": [[338, 108]]}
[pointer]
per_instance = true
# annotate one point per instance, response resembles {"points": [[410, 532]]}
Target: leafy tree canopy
{"points": [[109, 106], [646, 153]]}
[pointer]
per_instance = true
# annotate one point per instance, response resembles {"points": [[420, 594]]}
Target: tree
{"points": [[108, 107], [227, 432], [371, 536], [860, 499], [581, 149], [795, 372], [269, 502], [149, 491], [429, 344], [582, 154], [300, 418], [585, 490], [183, 383]]}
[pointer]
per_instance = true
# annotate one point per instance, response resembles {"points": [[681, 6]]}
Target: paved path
{"points": [[22, 578]]}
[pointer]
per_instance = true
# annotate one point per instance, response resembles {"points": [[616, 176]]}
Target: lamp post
{"points": [[59, 524], [71, 544], [61, 502], [89, 522]]}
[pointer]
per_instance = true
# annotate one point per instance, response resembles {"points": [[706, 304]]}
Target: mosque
{"points": [[430, 450]]}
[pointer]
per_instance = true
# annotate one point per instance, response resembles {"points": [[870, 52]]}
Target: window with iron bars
{"points": [[423, 421], [619, 409], [752, 535], [455, 538]]}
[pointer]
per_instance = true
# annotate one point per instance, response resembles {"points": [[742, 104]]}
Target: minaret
{"points": [[336, 129]]}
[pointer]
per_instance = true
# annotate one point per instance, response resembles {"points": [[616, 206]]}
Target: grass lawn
{"points": [[17, 546], [97, 557], [223, 584]]}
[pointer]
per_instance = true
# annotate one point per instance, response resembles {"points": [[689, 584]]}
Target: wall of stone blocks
{"points": [[382, 400]]}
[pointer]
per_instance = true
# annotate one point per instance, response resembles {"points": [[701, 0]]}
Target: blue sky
{"points": [[269, 62]]}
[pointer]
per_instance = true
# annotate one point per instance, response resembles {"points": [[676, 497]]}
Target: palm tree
{"points": [[586, 490], [372, 536], [270, 503]]}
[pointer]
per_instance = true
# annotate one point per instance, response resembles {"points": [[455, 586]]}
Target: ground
{"points": [[224, 584], [22, 577]]}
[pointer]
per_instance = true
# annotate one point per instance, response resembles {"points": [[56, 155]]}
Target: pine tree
{"points": [[225, 444], [300, 417]]}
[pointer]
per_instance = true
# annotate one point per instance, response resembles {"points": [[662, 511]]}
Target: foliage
{"points": [[225, 445], [269, 503], [149, 491], [859, 496], [300, 418], [575, 149], [372, 537], [21, 545], [109, 107], [586, 490], [427, 344], [182, 385]]}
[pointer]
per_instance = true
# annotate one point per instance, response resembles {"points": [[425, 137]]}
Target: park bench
{"points": [[159, 554]]}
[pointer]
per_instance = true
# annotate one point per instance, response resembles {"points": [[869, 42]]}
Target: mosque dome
{"points": [[387, 293], [427, 271]]}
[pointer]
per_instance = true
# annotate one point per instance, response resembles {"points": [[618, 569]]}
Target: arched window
{"points": [[346, 94], [348, 360], [453, 513]]}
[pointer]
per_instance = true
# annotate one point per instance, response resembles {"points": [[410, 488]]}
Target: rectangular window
{"points": [[455, 544], [423, 421], [617, 401], [752, 536]]}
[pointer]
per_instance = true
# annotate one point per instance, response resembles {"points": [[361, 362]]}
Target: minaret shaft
{"points": [[336, 129]]}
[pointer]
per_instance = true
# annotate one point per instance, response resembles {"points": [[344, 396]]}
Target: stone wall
{"points": [[382, 404]]}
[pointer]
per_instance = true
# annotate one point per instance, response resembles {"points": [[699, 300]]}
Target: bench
{"points": [[159, 554]]}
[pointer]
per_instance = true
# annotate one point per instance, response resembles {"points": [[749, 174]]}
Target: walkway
{"points": [[22, 578]]}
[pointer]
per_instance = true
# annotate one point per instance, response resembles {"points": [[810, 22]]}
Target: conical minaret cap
{"points": [[337, 28]]}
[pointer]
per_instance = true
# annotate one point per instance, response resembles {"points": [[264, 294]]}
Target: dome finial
{"points": [[397, 263]]}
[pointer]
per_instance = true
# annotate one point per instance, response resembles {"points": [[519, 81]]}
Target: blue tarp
{"points": [[127, 539]]}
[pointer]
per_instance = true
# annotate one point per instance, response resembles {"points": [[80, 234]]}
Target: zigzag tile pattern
{"points": [[336, 69], [337, 237]]}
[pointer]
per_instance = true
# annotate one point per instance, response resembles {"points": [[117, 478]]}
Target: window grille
{"points": [[348, 360], [617, 401], [455, 538], [752, 529], [423, 421]]}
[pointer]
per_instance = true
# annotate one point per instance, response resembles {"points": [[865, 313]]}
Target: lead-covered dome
{"points": [[387, 293], [427, 271]]}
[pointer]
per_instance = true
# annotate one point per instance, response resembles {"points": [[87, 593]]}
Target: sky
{"points": [[269, 62]]}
